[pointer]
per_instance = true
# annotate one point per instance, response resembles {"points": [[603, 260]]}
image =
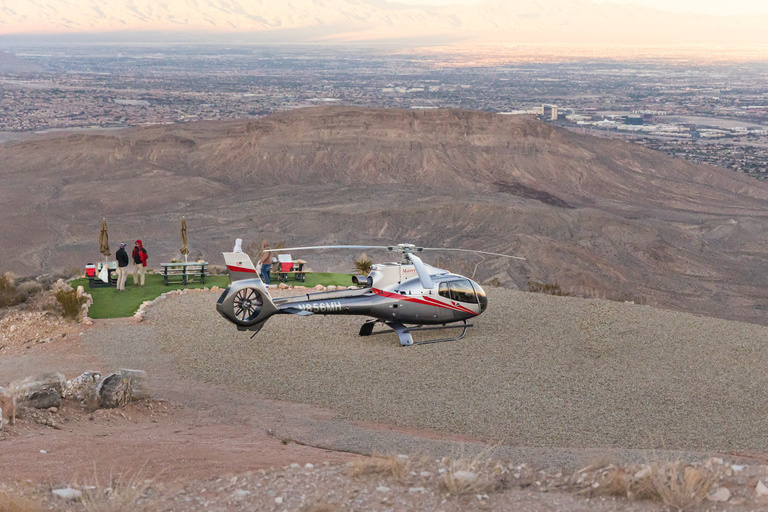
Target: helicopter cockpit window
{"points": [[443, 291], [462, 291]]}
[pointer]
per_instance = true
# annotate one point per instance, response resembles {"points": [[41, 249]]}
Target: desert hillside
{"points": [[600, 217]]}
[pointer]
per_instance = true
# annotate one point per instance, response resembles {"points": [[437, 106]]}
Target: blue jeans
{"points": [[265, 270]]}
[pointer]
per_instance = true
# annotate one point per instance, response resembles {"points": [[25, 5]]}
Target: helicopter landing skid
{"points": [[404, 333]]}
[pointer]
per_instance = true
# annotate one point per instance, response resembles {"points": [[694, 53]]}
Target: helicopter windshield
{"points": [[462, 291]]}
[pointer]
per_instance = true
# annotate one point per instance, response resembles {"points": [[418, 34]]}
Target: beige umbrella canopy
{"points": [[184, 249], [104, 240]]}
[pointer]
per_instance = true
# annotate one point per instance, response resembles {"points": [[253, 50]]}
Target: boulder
{"points": [[115, 391], [83, 387], [42, 399], [40, 392], [331, 287], [283, 286], [139, 383], [760, 489]]}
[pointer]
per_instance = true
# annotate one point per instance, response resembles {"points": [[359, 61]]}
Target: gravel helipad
{"points": [[534, 371]]}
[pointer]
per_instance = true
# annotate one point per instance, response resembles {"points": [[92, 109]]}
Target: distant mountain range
{"points": [[492, 21]]}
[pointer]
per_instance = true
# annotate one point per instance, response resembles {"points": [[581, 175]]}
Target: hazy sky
{"points": [[717, 7]]}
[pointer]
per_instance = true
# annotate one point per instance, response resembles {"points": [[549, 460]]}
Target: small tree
{"points": [[363, 264]]}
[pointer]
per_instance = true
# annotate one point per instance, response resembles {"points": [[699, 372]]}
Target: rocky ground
{"points": [[226, 429]]}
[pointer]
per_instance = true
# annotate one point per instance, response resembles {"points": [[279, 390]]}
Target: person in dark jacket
{"points": [[122, 267], [140, 260]]}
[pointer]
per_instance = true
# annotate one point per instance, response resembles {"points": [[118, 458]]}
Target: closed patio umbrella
{"points": [[184, 249], [104, 240]]}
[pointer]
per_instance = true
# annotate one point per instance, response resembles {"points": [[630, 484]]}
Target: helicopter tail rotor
{"points": [[247, 304]]}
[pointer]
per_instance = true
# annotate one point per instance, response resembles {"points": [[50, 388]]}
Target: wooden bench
{"points": [[184, 272]]}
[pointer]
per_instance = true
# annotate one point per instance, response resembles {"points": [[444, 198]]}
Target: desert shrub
{"points": [[30, 288], [9, 294], [119, 494], [495, 282], [396, 466], [680, 486], [70, 303], [547, 288], [11, 503], [363, 264]]}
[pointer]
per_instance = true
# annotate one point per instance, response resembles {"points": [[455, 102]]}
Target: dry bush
{"points": [[457, 479], [387, 465], [618, 482], [9, 503], [547, 288], [70, 303], [124, 494], [9, 294], [363, 264], [494, 282], [681, 487]]}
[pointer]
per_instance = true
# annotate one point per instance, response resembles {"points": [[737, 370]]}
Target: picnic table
{"points": [[184, 272]]}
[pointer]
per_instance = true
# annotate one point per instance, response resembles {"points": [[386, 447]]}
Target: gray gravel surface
{"points": [[536, 371]]}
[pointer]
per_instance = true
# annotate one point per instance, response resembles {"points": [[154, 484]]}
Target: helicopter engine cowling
{"points": [[246, 303], [365, 281]]}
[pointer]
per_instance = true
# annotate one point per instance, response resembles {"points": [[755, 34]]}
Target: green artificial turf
{"points": [[109, 303]]}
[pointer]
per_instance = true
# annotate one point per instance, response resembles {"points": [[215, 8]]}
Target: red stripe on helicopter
{"points": [[458, 307], [428, 301], [241, 269]]}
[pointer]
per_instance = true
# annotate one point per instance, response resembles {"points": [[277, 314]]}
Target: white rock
{"points": [[646, 471], [309, 465], [417, 489], [761, 490], [425, 474], [720, 495], [43, 451], [295, 465], [381, 488], [12, 329], [737, 467], [467, 476], [241, 493], [279, 500], [331, 288], [401, 456], [67, 493]]}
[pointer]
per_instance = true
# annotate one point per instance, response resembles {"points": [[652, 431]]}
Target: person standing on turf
{"points": [[266, 263], [122, 267], [140, 260]]}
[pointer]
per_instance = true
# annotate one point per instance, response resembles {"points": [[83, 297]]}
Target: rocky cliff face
{"points": [[599, 217]]}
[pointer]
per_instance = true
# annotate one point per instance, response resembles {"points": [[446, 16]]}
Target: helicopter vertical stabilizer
{"points": [[240, 266]]}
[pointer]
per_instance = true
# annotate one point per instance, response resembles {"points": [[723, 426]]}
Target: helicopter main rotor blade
{"points": [[477, 252], [328, 247], [421, 269]]}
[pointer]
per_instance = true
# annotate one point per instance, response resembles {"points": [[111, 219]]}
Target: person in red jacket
{"points": [[140, 261]]}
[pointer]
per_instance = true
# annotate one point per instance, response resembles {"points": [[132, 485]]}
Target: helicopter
{"points": [[406, 296]]}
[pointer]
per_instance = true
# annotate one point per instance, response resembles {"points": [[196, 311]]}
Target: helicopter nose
{"points": [[482, 298]]}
